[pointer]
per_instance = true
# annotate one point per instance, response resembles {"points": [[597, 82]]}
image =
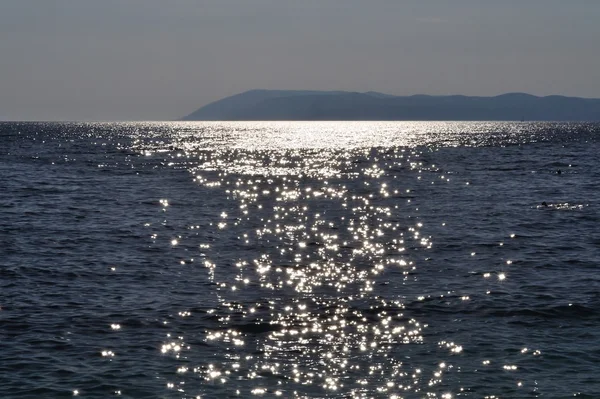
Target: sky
{"points": [[160, 60]]}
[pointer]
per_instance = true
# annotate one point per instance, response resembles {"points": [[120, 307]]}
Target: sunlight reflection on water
{"points": [[324, 213]]}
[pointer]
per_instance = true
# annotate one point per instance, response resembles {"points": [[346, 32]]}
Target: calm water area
{"points": [[300, 260]]}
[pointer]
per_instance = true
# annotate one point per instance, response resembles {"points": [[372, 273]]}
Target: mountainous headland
{"points": [[343, 105]]}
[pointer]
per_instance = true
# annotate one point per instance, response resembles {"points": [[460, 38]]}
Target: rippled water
{"points": [[307, 260]]}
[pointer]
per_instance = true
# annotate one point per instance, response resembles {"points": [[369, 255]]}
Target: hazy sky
{"points": [[158, 59]]}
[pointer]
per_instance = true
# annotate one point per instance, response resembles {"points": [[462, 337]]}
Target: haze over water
{"points": [[299, 259]]}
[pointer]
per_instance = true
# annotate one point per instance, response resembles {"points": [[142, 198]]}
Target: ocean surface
{"points": [[300, 260]]}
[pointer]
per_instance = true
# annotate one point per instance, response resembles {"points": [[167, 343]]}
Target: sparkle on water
{"points": [[323, 267], [325, 212]]}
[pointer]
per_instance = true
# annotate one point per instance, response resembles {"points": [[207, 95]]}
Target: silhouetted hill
{"points": [[340, 105]]}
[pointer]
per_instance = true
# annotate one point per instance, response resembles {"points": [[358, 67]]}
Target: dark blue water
{"points": [[308, 260]]}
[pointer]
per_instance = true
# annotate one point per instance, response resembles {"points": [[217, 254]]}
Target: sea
{"points": [[300, 260]]}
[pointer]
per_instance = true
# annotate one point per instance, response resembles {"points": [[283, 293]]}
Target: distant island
{"points": [[342, 105]]}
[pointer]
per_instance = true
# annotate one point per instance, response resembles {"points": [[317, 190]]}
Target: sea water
{"points": [[300, 260]]}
